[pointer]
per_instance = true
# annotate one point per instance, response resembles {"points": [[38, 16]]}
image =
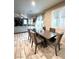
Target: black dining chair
{"points": [[36, 40], [44, 28], [34, 30], [52, 30]]}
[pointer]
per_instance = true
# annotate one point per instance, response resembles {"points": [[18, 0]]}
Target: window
{"points": [[25, 21], [30, 21], [58, 17]]}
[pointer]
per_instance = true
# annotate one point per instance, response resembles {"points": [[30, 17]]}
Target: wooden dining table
{"points": [[46, 35]]}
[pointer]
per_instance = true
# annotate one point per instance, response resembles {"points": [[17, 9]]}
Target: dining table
{"points": [[46, 35]]}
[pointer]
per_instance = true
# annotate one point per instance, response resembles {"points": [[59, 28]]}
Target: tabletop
{"points": [[46, 34]]}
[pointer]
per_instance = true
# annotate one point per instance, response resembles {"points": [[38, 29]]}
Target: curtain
{"points": [[58, 18], [39, 23]]}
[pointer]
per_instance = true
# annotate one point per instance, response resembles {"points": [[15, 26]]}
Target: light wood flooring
{"points": [[23, 49]]}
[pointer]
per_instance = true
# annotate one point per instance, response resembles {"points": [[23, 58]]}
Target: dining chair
{"points": [[58, 40], [44, 28], [56, 44], [36, 40], [52, 29]]}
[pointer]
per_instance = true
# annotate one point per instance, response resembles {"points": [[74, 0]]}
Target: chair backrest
{"points": [[52, 29], [33, 37], [34, 30], [59, 37], [44, 28]]}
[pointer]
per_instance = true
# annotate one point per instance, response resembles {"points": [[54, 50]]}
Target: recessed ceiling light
{"points": [[33, 3]]}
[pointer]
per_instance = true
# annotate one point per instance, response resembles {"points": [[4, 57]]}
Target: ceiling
{"points": [[26, 7]]}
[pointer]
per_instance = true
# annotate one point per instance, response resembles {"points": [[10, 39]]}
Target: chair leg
{"points": [[56, 50], [35, 49], [59, 46], [30, 39], [32, 44]]}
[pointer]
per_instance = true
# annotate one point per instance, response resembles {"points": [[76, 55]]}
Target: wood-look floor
{"points": [[23, 49]]}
